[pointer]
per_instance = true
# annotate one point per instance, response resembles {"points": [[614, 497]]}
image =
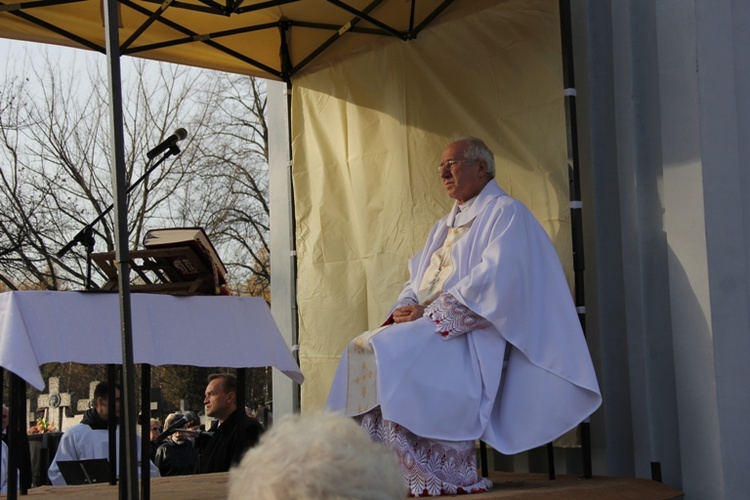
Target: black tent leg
{"points": [[576, 205], [483, 458], [551, 461], [145, 431]]}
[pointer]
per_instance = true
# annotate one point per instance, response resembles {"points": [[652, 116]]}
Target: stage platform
{"points": [[507, 485]]}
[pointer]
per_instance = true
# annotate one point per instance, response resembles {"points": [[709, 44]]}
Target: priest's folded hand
{"points": [[408, 313]]}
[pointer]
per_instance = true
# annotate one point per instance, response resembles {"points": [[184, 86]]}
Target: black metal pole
{"points": [[122, 458], [241, 385], [551, 462], [293, 240], [16, 438], [145, 431], [112, 436], [13, 440], [240, 397], [128, 420], [22, 449], [576, 205], [483, 458]]}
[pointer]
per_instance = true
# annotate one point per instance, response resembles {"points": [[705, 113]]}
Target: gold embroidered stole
{"points": [[441, 266], [362, 390]]}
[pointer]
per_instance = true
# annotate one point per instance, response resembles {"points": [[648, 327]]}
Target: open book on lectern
{"points": [[92, 471], [194, 237]]}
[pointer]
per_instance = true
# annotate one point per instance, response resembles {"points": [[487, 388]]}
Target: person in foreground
{"points": [[482, 343], [232, 433], [321, 456], [90, 438]]}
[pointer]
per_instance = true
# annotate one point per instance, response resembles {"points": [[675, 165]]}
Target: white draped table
{"points": [[38, 327]]}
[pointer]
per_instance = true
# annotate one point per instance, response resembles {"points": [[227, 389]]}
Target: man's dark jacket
{"points": [[229, 441], [175, 459]]}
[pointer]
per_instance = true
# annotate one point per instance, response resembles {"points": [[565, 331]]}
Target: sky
{"points": [[13, 52]]}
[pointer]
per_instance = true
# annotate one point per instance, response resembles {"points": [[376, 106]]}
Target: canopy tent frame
{"points": [[287, 68]]}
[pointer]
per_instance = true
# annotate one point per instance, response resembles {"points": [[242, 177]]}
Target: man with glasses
{"points": [[482, 343]]}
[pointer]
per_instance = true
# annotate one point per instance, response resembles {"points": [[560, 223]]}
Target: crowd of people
{"points": [[181, 446]]}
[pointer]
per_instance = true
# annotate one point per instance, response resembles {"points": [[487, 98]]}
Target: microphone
{"points": [[167, 143], [187, 417]]}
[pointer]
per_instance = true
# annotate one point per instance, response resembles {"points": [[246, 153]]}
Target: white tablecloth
{"points": [[39, 327]]}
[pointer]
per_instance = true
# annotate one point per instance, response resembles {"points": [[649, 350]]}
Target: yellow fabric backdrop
{"points": [[367, 138]]}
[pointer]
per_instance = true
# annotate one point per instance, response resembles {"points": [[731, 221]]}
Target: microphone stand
{"points": [[86, 235]]}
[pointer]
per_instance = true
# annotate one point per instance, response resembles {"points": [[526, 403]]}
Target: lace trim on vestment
{"points": [[452, 317], [429, 467]]}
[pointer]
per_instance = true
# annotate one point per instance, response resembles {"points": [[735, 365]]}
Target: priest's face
{"points": [[463, 179], [219, 403]]}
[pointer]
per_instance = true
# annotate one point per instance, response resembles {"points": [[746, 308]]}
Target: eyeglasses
{"points": [[448, 165], [155, 428]]}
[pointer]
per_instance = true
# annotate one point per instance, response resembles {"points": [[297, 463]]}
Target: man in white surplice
{"points": [[487, 286], [89, 439]]}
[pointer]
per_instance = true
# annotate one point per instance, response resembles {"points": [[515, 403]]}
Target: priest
{"points": [[482, 343]]}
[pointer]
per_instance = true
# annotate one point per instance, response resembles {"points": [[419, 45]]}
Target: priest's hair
{"points": [[317, 456], [476, 149]]}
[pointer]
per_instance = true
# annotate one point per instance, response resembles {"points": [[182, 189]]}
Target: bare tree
{"points": [[235, 162], [55, 167], [55, 179]]}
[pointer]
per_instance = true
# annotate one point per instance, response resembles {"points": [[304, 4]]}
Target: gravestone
{"points": [[56, 406], [86, 404]]}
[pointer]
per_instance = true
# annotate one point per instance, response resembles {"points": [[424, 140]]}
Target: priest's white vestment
{"points": [[455, 388]]}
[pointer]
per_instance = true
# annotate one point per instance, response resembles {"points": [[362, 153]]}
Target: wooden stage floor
{"points": [[507, 485]]}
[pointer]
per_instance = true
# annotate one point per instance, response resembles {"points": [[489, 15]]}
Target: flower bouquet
{"points": [[42, 426]]}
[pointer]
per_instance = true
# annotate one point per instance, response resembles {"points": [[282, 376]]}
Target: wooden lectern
{"points": [[178, 261]]}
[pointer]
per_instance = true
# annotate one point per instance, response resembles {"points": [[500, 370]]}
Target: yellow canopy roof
{"points": [[268, 38]]}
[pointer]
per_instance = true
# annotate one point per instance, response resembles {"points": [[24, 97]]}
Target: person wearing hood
{"points": [[90, 438]]}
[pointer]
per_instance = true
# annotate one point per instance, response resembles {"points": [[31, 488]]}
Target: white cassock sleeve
{"points": [[73, 440], [80, 442]]}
